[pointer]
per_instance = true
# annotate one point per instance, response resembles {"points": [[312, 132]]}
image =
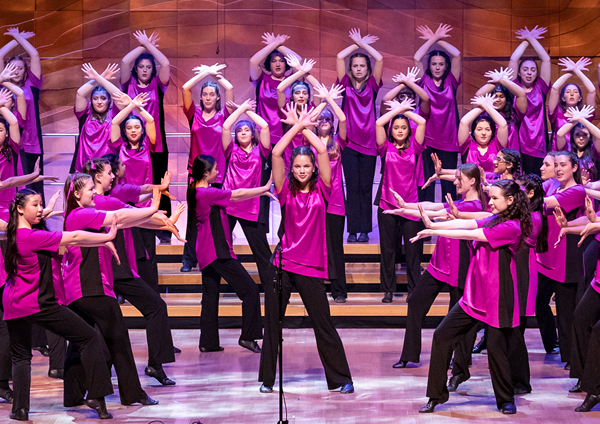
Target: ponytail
{"points": [[11, 255], [472, 171], [73, 183], [201, 165]]}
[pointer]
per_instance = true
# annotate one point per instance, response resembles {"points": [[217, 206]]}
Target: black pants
{"points": [[246, 289], [449, 161], [57, 346], [28, 163], [335, 254], [519, 358], [5, 358], [590, 260], [64, 322], [392, 229], [105, 312], [256, 234], [330, 347], [160, 165], [531, 164], [455, 326], [147, 267], [543, 312], [359, 172], [154, 309], [585, 358]]}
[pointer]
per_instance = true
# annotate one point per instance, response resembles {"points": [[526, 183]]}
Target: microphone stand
{"points": [[280, 344]]}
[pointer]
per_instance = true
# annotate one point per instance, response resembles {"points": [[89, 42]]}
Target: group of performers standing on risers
{"points": [[510, 241]]}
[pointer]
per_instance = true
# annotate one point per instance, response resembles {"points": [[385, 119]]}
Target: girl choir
{"points": [[507, 240]]}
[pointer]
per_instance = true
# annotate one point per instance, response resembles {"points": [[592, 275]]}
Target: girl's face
{"points": [[144, 70], [359, 68], [324, 123], [483, 133], [399, 131], [528, 72], [405, 94], [120, 169], [277, 66], [463, 183], [500, 164], [211, 176], [100, 102], [547, 169], [498, 203], [302, 168], [437, 67], [499, 100], [581, 138], [3, 135], [32, 210], [563, 169], [300, 95], [571, 95], [105, 178], [85, 196], [209, 98], [20, 71], [133, 130], [244, 135]]}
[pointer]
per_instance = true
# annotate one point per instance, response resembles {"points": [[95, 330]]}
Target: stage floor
{"points": [[222, 388]]}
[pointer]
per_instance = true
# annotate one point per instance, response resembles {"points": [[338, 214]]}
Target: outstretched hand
{"points": [[589, 209]]}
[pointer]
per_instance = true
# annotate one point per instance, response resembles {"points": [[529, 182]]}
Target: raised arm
{"points": [[533, 38], [264, 133], [340, 63], [93, 76], [487, 103], [580, 66], [505, 78], [303, 69], [421, 123], [365, 42], [430, 39], [129, 106], [464, 128], [515, 58], [127, 63], [395, 108], [227, 86], [272, 42], [11, 119], [231, 120], [322, 155], [455, 57], [6, 49], [35, 66], [330, 96], [6, 76], [151, 44], [554, 97], [202, 72]]}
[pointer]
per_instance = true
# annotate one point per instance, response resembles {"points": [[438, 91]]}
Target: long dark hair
{"points": [[141, 57], [124, 137], [73, 183], [12, 255], [201, 165], [536, 204], [508, 111], [217, 92], [95, 114], [490, 122], [267, 62], [513, 157], [293, 183], [238, 126], [472, 171], [518, 210], [25, 67], [586, 160], [442, 53], [369, 69], [574, 161], [562, 104], [6, 150], [391, 138]]}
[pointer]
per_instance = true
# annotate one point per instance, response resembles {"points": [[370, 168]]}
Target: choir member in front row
{"points": [[491, 294], [29, 298], [303, 194]]}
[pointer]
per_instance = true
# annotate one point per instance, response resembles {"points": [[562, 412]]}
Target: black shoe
{"points": [[251, 345], [576, 388], [59, 374], [340, 299], [7, 395], [553, 351], [165, 239], [363, 238], [176, 350], [431, 404], [589, 402], [146, 400], [508, 409], [388, 297], [160, 375], [352, 238], [207, 349], [455, 381], [400, 364], [266, 389], [42, 349], [20, 414], [185, 268], [481, 346], [99, 405], [568, 366]]}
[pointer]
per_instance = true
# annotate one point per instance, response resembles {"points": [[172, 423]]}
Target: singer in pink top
{"points": [[361, 84], [302, 254], [9, 145], [29, 298], [399, 149], [490, 295]]}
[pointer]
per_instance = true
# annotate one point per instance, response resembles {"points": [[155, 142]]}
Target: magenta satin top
{"points": [[532, 130], [336, 205], [244, 171], [126, 193], [399, 174], [474, 155], [513, 137], [138, 166], [267, 106], [442, 126], [214, 236], [206, 137], [554, 263], [87, 271], [94, 136], [492, 272], [156, 90], [31, 140], [7, 170], [445, 258], [32, 288], [304, 242], [359, 107]]}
